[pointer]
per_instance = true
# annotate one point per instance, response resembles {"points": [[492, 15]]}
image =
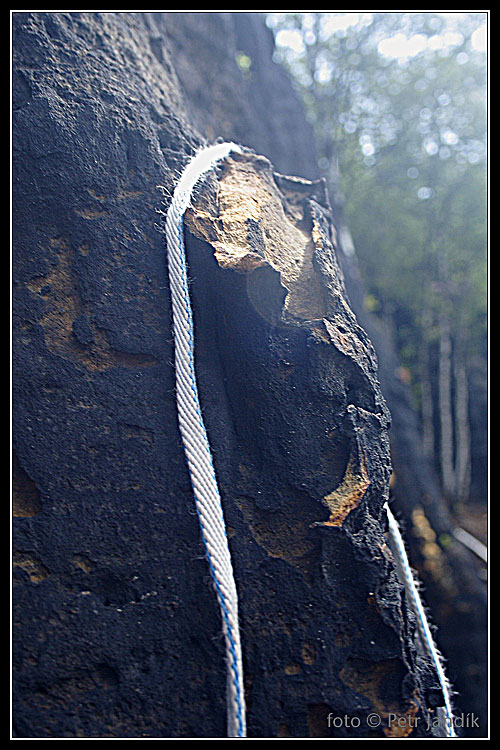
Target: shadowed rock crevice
{"points": [[26, 501]]}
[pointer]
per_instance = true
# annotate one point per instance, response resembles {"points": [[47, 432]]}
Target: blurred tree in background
{"points": [[398, 103]]}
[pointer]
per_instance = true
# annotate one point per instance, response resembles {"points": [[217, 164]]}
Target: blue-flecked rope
{"points": [[194, 435], [423, 625], [200, 464]]}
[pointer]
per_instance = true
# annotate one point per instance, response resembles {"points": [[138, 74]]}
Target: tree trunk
{"points": [[445, 411], [427, 409], [462, 428]]}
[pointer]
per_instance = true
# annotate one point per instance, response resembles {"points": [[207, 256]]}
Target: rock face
{"points": [[116, 626]]}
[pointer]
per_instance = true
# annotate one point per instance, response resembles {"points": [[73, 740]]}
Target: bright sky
{"points": [[479, 40], [399, 46], [403, 47]]}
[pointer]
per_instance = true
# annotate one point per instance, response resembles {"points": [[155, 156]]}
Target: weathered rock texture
{"points": [[116, 629]]}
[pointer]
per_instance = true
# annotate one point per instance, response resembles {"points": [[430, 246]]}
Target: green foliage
{"points": [[407, 135]]}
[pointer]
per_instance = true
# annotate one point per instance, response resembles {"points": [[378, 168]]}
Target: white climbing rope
{"points": [[194, 435], [199, 458], [423, 625]]}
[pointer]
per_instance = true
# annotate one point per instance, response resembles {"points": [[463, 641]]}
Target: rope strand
{"points": [[200, 464], [194, 435], [423, 625]]}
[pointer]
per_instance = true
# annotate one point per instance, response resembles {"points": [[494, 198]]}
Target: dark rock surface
{"points": [[116, 627]]}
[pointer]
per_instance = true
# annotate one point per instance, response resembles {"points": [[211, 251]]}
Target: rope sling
{"points": [[200, 465]]}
